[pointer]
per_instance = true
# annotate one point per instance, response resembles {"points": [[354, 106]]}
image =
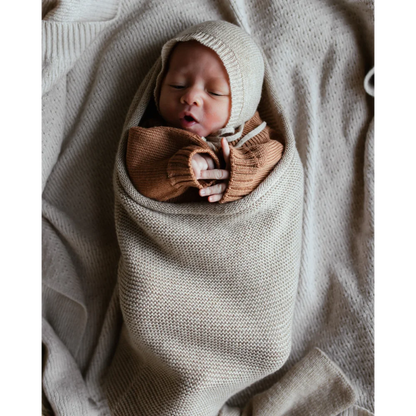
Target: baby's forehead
{"points": [[193, 57]]}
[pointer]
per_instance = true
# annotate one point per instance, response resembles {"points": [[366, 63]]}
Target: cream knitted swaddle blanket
{"points": [[207, 291], [95, 56]]}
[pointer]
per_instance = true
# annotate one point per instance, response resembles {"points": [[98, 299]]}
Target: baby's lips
{"points": [[188, 116], [187, 123]]}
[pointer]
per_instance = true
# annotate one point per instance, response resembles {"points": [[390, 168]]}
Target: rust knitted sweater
{"points": [[158, 161]]}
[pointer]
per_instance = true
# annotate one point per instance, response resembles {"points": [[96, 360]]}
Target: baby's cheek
{"points": [[220, 116], [166, 111]]}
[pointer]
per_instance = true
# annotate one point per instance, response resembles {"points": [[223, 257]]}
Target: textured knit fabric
{"points": [[319, 54], [314, 386], [207, 291], [158, 161]]}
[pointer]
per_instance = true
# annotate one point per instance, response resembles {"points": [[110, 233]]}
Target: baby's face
{"points": [[195, 93]]}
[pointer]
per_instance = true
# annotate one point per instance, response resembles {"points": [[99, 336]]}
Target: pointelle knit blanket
{"points": [[95, 58]]}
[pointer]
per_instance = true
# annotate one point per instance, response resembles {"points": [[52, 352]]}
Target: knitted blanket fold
{"points": [[95, 56], [207, 291]]}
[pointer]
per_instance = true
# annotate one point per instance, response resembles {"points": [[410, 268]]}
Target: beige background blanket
{"points": [[94, 58]]}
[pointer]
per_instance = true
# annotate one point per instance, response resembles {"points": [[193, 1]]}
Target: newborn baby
{"points": [[196, 97], [187, 148], [206, 290]]}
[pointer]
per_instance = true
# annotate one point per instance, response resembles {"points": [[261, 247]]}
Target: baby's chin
{"points": [[195, 128]]}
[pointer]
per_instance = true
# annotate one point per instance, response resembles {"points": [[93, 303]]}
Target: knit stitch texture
{"points": [[207, 291], [93, 63]]}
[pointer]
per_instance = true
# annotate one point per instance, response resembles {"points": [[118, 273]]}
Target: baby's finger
{"points": [[214, 174], [225, 150], [214, 198], [208, 160], [213, 190]]}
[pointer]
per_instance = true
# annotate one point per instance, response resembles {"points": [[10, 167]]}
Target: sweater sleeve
{"points": [[180, 172], [159, 166], [250, 164]]}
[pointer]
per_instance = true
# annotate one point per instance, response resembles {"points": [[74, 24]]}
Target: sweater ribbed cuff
{"points": [[242, 163], [180, 172], [248, 167]]}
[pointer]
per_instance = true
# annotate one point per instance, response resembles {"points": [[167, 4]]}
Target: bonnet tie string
{"points": [[231, 134]]}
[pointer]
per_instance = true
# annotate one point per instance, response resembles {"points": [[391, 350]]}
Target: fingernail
{"points": [[202, 192]]}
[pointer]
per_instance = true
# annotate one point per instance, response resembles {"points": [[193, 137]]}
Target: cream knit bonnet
{"points": [[241, 57]]}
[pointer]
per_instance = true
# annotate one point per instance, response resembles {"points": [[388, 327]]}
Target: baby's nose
{"points": [[192, 97]]}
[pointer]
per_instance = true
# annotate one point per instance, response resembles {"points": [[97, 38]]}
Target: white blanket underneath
{"points": [[94, 60]]}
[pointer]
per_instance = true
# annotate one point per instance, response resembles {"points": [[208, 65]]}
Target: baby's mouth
{"points": [[187, 120]]}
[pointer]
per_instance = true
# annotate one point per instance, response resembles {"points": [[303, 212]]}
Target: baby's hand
{"points": [[201, 162], [215, 192]]}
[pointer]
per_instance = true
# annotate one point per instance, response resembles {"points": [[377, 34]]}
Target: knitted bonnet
{"points": [[242, 60]]}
